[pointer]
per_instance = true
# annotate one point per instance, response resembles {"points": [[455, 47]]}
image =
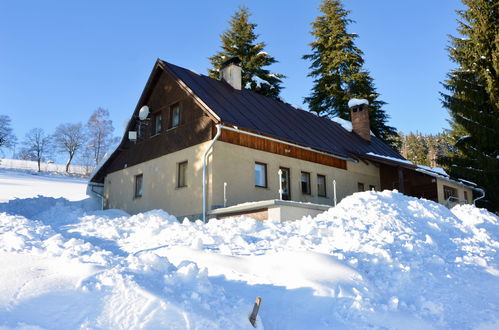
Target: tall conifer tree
{"points": [[472, 98], [240, 41], [338, 74]]}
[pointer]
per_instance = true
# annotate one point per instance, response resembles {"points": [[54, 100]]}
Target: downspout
{"points": [[205, 155], [92, 185], [483, 195]]}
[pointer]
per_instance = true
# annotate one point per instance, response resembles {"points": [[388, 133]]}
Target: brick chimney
{"points": [[359, 110], [231, 72]]}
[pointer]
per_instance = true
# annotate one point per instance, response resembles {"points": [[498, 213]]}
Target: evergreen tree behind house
{"points": [[336, 67], [240, 41], [472, 98]]}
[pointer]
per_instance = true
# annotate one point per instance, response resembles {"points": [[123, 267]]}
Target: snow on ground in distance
{"points": [[24, 184], [379, 260]]}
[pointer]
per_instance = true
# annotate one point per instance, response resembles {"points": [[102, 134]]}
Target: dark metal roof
{"points": [[255, 112]]}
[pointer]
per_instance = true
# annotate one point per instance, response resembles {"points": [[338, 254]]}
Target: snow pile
{"points": [[377, 260]]}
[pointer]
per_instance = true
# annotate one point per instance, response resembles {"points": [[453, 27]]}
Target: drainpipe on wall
{"points": [[483, 195], [334, 192], [101, 195], [225, 194], [280, 183], [219, 131]]}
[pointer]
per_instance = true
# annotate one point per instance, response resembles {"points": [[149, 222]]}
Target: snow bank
{"points": [[377, 260]]}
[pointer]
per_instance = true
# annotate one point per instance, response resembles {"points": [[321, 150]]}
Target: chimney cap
{"points": [[235, 60], [357, 102]]}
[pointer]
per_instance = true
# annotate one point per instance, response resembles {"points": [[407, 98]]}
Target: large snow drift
{"points": [[377, 260]]}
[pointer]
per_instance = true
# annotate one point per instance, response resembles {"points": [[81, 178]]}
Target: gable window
{"points": [[360, 186], [305, 183], [158, 123], [261, 175], [174, 115], [321, 185], [138, 186], [182, 175], [449, 192]]}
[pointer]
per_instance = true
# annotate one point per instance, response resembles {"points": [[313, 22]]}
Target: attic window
{"points": [[174, 115], [158, 123]]}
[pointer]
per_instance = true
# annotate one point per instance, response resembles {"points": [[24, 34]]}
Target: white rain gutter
{"points": [[219, 131], [483, 195], [205, 155]]}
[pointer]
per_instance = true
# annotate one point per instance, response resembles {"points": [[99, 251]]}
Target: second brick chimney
{"points": [[359, 110]]}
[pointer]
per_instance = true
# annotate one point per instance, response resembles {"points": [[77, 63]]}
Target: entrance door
{"points": [[286, 186]]}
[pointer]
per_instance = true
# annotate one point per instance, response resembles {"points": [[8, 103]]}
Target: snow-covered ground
{"points": [[376, 261], [29, 165], [25, 184]]}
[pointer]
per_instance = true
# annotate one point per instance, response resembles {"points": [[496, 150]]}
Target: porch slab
{"points": [[274, 209]]}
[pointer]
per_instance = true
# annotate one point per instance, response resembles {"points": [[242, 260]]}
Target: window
{"points": [[138, 186], [449, 192], [158, 123], [360, 186], [261, 175], [174, 115], [305, 183], [372, 188], [182, 175], [321, 185], [466, 196]]}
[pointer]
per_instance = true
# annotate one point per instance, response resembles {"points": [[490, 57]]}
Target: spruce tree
{"points": [[338, 73], [472, 98], [240, 41]]}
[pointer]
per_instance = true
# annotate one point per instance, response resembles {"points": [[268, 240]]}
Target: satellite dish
{"points": [[143, 112]]}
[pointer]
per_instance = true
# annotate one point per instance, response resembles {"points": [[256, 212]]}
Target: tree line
{"points": [[468, 150], [88, 142]]}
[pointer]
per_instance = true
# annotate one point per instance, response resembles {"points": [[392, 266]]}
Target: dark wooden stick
{"points": [[254, 313]]}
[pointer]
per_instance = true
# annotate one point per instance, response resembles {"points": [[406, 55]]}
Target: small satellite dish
{"points": [[143, 112]]}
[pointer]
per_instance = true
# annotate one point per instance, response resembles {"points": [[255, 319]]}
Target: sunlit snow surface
{"points": [[376, 261]]}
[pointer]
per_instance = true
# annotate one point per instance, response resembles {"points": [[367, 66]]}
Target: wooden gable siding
{"points": [[195, 126], [280, 149]]}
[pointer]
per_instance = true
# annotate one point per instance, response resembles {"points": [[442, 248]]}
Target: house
{"points": [[201, 147]]}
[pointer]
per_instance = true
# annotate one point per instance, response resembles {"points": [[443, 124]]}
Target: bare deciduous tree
{"points": [[36, 145], [7, 138], [69, 138], [100, 130]]}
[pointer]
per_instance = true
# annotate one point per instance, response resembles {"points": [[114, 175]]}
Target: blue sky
{"points": [[60, 60]]}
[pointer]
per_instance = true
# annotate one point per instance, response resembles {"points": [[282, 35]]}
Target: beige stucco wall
{"points": [[235, 165], [159, 184], [460, 191], [226, 163]]}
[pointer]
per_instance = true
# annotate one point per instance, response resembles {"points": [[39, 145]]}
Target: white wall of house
{"points": [[226, 163], [160, 189], [459, 188], [235, 165]]}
